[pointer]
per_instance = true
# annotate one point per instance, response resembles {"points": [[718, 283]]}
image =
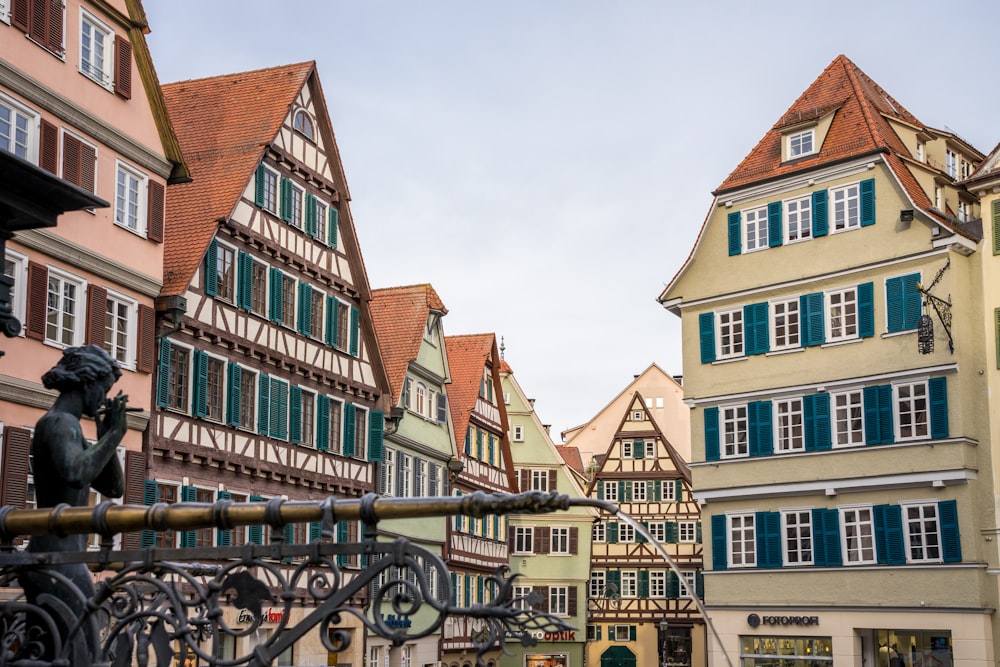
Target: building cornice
{"points": [[796, 181], [33, 395]]}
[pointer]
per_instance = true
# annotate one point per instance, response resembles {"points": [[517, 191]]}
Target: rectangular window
{"points": [[96, 44], [179, 382], [225, 269], [951, 163], [360, 433], [287, 300], [791, 437], [18, 130], [755, 228], [734, 429], [166, 493], [742, 540], [638, 491], [336, 426], [405, 475], [630, 584], [626, 533], [598, 532], [688, 583], [119, 328], [621, 633], [387, 480], [611, 491], [540, 480], [258, 289], [319, 215], [203, 536], [729, 333], [800, 143], [295, 206], [923, 535], [15, 268], [518, 433], [524, 539], [270, 190], [598, 584], [796, 528], [658, 583], [842, 314], [848, 419], [846, 203], [669, 491], [248, 399], [658, 531], [798, 219], [308, 419], [559, 541], [215, 389], [130, 199], [559, 600], [858, 541], [911, 410], [627, 449], [64, 316], [785, 324], [687, 531], [316, 314], [343, 324]]}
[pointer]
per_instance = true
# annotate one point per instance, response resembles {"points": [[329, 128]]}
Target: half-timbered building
{"points": [[640, 611], [418, 446], [476, 547], [269, 381], [82, 126]]}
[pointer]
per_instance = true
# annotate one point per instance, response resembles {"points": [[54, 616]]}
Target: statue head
{"points": [[80, 367]]}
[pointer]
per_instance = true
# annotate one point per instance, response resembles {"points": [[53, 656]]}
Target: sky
{"points": [[546, 164]]}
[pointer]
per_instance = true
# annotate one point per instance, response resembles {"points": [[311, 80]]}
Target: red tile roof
{"points": [[571, 455], [400, 317], [467, 357], [223, 124]]}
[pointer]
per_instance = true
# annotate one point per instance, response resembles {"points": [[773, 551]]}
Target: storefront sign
{"points": [[394, 621], [753, 620], [270, 615], [563, 636], [546, 659]]}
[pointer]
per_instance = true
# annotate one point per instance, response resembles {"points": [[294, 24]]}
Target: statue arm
{"points": [[78, 465]]}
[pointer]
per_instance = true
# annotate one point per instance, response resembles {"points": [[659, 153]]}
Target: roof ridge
{"points": [[289, 66]]}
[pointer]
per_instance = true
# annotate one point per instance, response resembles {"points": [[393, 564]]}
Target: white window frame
{"points": [[559, 600], [848, 300], [741, 540], [519, 596], [313, 418], [915, 527], [626, 532], [320, 208], [296, 206], [657, 583], [658, 531], [637, 415], [845, 208], [630, 583], [141, 188], [389, 468], [405, 476], [518, 435], [251, 377], [612, 495], [597, 584], [538, 480], [858, 548], [223, 384], [951, 163], [5, 11], [796, 525], [233, 278], [729, 327], [622, 632], [559, 541], [627, 449], [650, 449], [789, 425], [784, 317], [80, 316], [272, 195], [131, 334], [524, 539], [755, 229], [920, 151], [668, 490], [18, 294], [688, 583], [797, 212], [420, 399], [737, 417], [638, 491], [687, 532], [794, 142], [105, 75], [31, 121], [599, 532], [842, 418], [917, 402]]}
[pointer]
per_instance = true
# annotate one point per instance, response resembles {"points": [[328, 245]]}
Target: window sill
{"points": [[838, 343], [789, 350], [894, 334], [106, 85], [141, 234], [729, 360]]}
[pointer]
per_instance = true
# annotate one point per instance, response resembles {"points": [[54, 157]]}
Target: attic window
{"points": [[303, 124], [799, 144]]}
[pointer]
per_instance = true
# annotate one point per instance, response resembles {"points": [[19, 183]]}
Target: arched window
{"points": [[303, 123]]}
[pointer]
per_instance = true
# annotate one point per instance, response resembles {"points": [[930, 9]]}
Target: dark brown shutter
{"points": [[154, 227], [20, 11], [97, 312], [135, 477], [146, 354], [574, 539], [16, 445], [38, 289], [523, 477], [54, 29], [88, 168], [571, 600], [552, 480], [542, 540], [544, 592], [48, 157], [71, 159], [39, 15], [511, 532], [123, 67]]}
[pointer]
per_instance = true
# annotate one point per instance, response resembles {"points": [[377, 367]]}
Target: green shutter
{"points": [[735, 235], [224, 537], [315, 531], [264, 405], [937, 390], [679, 490], [672, 532], [285, 208], [163, 374], [767, 526], [866, 310], [189, 538], [673, 585], [638, 449], [212, 269], [816, 422], [644, 583], [259, 183], [276, 300], [279, 409], [323, 423], [706, 332], [811, 318], [612, 532], [330, 333], [334, 225], [348, 447], [256, 533], [951, 543], [889, 547], [867, 202], [150, 494], [376, 427], [755, 329], [774, 231], [903, 302], [820, 225], [996, 330], [310, 215], [719, 559], [995, 210], [304, 324], [200, 381], [233, 408], [761, 434], [826, 537], [295, 415], [878, 415], [244, 284], [711, 416], [355, 331]]}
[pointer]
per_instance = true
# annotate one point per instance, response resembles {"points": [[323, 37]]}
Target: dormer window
{"points": [[799, 144], [303, 124]]}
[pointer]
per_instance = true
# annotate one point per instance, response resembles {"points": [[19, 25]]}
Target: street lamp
{"points": [[663, 642]]}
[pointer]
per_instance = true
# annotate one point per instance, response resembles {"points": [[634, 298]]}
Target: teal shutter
{"points": [[212, 268], [330, 333], [163, 374], [189, 538], [937, 390], [256, 533], [295, 415], [289, 536], [279, 409], [755, 329], [811, 318], [826, 537], [258, 197], [894, 304], [657, 490], [644, 583], [711, 416], [276, 301], [761, 432], [613, 580], [224, 537], [343, 537], [376, 428], [719, 542], [951, 543], [735, 237], [878, 415], [355, 330], [768, 543], [866, 310], [699, 584], [264, 405], [323, 423], [706, 326], [310, 215], [679, 490], [244, 284], [348, 447], [612, 532], [912, 301], [304, 324], [315, 531], [889, 547], [600, 489], [631, 633], [820, 224], [334, 225], [638, 449], [816, 422], [673, 585], [285, 208], [199, 407], [235, 379], [672, 532], [774, 231], [150, 494], [995, 217], [867, 202], [903, 302]]}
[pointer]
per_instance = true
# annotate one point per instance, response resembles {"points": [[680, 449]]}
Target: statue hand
{"points": [[114, 414]]}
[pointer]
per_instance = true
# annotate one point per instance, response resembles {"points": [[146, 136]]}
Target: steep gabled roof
{"points": [[223, 123], [467, 357], [571, 455], [400, 317]]}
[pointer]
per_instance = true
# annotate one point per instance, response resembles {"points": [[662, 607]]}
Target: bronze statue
{"points": [[65, 468]]}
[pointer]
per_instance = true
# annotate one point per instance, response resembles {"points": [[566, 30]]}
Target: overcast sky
{"points": [[546, 165]]}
